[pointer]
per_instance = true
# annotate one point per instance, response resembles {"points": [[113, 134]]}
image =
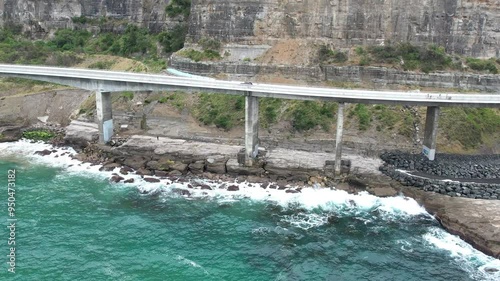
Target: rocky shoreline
{"points": [[471, 176], [155, 159]]}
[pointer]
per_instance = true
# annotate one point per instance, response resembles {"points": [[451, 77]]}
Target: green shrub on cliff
{"points": [[410, 57], [178, 7], [482, 65], [173, 40], [68, 39], [327, 55], [42, 135]]}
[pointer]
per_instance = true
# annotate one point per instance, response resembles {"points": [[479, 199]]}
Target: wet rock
{"points": [[109, 167], [234, 168], [179, 166], [216, 165], [197, 167], [10, 133], [160, 173], [181, 191], [491, 269], [115, 178], [144, 172], [135, 162], [175, 173], [205, 187], [44, 152], [233, 188], [126, 169], [131, 180], [292, 191], [151, 179], [332, 219]]}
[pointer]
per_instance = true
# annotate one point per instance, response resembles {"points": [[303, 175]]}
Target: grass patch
{"points": [[197, 56], [25, 82], [177, 99], [363, 115], [469, 126], [223, 111], [102, 65], [128, 96], [385, 116], [327, 56], [270, 110], [407, 127], [307, 115], [39, 135]]}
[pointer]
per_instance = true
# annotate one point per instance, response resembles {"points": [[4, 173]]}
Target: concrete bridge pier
{"points": [[430, 134], [104, 116], [251, 128], [338, 140]]}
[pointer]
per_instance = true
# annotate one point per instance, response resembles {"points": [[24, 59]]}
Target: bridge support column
{"points": [[104, 116], [338, 140], [430, 134], [251, 128]]}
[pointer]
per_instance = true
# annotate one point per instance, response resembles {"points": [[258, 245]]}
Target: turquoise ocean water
{"points": [[72, 224]]}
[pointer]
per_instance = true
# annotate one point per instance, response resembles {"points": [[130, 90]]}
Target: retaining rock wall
{"points": [[475, 176], [373, 76]]}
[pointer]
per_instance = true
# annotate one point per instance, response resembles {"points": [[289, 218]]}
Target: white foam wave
{"points": [[477, 264], [305, 220], [61, 157], [192, 263]]}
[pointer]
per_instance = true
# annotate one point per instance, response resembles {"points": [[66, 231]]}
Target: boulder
{"points": [[160, 173], [197, 167], [163, 164], [10, 133], [175, 173], [233, 188], [144, 172], [115, 178], [135, 162], [151, 179], [216, 165], [181, 191], [109, 167], [205, 187], [79, 134], [131, 180], [179, 166], [44, 152], [234, 168]]}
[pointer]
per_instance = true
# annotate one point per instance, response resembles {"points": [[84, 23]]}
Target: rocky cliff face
{"points": [[42, 17], [469, 27]]}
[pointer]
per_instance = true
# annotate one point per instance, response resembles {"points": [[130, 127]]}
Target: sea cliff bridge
{"points": [[106, 82]]}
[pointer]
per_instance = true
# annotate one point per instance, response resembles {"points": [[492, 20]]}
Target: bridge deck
{"points": [[111, 81]]}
